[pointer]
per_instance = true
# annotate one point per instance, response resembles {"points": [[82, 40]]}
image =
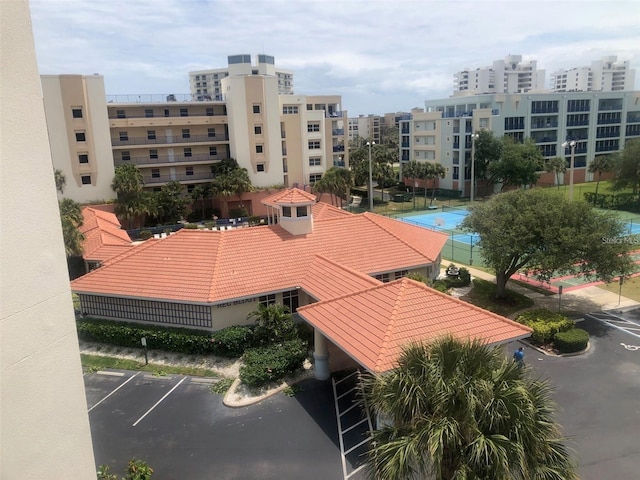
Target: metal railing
{"points": [[164, 98], [164, 139], [180, 177], [161, 159]]}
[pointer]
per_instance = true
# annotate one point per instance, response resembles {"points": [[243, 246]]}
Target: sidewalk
{"points": [[582, 301]]}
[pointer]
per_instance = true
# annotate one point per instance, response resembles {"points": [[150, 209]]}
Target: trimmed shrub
{"points": [[545, 324], [229, 342], [191, 226], [145, 235], [274, 324], [574, 340], [272, 363]]}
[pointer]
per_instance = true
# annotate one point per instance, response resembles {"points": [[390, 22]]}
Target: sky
{"points": [[381, 56]]}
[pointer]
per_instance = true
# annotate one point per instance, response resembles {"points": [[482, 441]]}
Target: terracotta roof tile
{"points": [[104, 238], [289, 196], [383, 319], [324, 211], [326, 279]]}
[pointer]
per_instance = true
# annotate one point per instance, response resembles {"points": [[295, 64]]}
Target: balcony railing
{"points": [[544, 125], [336, 114], [338, 163], [338, 148], [160, 159], [338, 131], [164, 98], [183, 177], [160, 139]]}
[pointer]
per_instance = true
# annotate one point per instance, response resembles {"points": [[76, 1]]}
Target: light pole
{"points": [[474, 137], [572, 144], [370, 144]]}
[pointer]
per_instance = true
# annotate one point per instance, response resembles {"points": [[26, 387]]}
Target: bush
{"points": [[272, 363], [145, 235], [574, 340], [274, 324], [229, 342], [545, 324], [191, 226], [239, 212]]}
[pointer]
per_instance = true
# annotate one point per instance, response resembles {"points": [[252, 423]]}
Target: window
{"points": [[184, 112], [190, 188], [259, 149], [315, 161], [289, 109], [148, 112], [126, 155], [124, 136], [76, 112], [260, 167], [151, 134], [286, 212], [314, 144], [153, 154], [86, 179], [187, 152], [313, 127], [209, 112], [213, 151], [166, 112], [257, 129], [401, 274], [83, 158], [302, 211], [155, 173], [120, 114], [266, 300], [290, 300], [383, 277], [256, 108], [186, 133], [314, 177], [211, 132], [80, 137], [188, 171]]}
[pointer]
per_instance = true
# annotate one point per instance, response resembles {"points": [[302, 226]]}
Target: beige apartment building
{"points": [[281, 139]]}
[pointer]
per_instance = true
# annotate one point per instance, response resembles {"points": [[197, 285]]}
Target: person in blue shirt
{"points": [[518, 356]]}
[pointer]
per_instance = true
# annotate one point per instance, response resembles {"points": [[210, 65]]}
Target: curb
{"points": [[557, 355], [247, 401]]}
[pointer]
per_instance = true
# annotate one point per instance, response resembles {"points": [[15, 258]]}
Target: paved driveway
{"points": [[184, 432], [599, 395]]}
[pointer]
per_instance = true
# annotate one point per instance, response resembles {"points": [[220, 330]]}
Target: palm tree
{"points": [[412, 170], [556, 165], [274, 323], [602, 164], [132, 201], [199, 193], [61, 180], [461, 410], [434, 172], [71, 218], [233, 181]]}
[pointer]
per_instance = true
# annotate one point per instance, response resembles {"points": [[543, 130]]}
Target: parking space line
{"points": [[110, 374], [354, 425], [366, 440], [114, 391], [356, 471], [158, 402], [342, 457], [347, 392]]}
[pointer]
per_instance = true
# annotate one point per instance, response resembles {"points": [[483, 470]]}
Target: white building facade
{"points": [[604, 75], [510, 75]]}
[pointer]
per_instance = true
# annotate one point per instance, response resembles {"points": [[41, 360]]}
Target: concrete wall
{"points": [[45, 427]]}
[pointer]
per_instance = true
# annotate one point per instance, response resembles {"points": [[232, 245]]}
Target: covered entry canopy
{"points": [[374, 324]]}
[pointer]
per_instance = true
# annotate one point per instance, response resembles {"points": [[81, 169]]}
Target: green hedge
{"points": [[574, 340], [229, 342], [272, 363], [545, 324]]}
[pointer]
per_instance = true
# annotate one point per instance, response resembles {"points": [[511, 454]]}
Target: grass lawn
{"points": [[483, 296], [630, 288], [93, 363]]}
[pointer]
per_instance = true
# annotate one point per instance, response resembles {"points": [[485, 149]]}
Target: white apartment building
{"points": [[366, 127], [604, 75], [280, 139], [207, 84], [510, 75], [600, 123]]}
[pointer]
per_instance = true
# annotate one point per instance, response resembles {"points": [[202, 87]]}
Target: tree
{"points": [[274, 323], [461, 410], [432, 171], [131, 200], [71, 218], [519, 164], [413, 170], [170, 203], [627, 167], [61, 180], [198, 194], [230, 180], [336, 181], [556, 165], [488, 149], [541, 230], [602, 164]]}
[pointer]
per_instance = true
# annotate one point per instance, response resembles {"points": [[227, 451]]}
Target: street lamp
{"points": [[370, 144], [474, 137], [572, 144]]}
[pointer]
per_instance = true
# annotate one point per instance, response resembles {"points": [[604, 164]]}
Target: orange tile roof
{"points": [[374, 325], [103, 235], [323, 211], [215, 266], [289, 196], [326, 279]]}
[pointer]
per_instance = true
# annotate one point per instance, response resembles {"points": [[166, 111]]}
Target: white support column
{"points": [[321, 356]]}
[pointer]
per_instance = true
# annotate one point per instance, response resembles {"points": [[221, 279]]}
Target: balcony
{"points": [[162, 139], [163, 98], [338, 148], [553, 124], [183, 177], [163, 159], [338, 163], [336, 114], [338, 131]]}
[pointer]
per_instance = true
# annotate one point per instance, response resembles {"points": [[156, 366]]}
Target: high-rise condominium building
{"points": [[366, 127], [510, 75], [604, 75], [207, 84], [600, 123], [280, 139]]}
